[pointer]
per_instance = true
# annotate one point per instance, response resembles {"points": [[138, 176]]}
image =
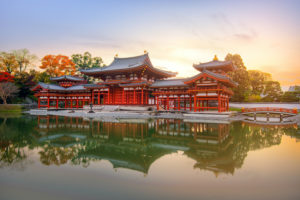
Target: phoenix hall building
{"points": [[135, 81]]}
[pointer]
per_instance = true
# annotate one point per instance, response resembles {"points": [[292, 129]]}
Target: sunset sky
{"points": [[175, 33]]}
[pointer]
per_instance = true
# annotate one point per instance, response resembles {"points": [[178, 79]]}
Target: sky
{"points": [[176, 34]]}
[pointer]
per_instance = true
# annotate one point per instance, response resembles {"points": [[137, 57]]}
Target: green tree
{"points": [[85, 61], [240, 76], [291, 96], [24, 59], [25, 82], [272, 91], [257, 80]]}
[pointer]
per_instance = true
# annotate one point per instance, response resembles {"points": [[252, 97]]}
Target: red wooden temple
{"points": [[135, 81]]}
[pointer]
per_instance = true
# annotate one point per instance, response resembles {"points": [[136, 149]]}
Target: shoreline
{"points": [[209, 117]]}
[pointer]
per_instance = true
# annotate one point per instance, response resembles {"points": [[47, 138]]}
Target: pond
{"points": [[51, 157]]}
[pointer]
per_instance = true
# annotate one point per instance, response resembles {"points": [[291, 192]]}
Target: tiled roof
{"points": [[168, 83], [127, 64], [134, 84], [59, 88], [215, 64], [67, 77]]}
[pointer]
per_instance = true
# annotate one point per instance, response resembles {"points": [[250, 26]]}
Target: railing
{"points": [[270, 109]]}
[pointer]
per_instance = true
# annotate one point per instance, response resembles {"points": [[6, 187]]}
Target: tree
{"points": [[24, 58], [240, 76], [40, 76], [257, 80], [25, 82], [85, 61], [7, 89], [6, 77], [272, 91], [58, 65], [291, 96], [8, 62]]}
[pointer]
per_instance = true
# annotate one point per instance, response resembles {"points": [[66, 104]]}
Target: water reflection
{"points": [[134, 144]]}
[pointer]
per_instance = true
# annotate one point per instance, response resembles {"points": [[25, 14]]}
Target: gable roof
{"points": [[127, 64], [67, 77], [215, 64]]}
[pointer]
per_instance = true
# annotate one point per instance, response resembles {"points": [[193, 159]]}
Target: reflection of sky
{"points": [[176, 33]]}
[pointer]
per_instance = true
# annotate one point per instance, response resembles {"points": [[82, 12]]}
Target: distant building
{"points": [[294, 88]]}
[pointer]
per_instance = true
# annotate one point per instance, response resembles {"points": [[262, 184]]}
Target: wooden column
{"points": [[190, 102], [56, 102], [168, 104], [157, 105], [48, 102], [123, 96], [178, 102], [77, 103], [195, 102], [108, 94], [142, 97], [98, 97], [134, 96], [92, 97], [39, 102]]}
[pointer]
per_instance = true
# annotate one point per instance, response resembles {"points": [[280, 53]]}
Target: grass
{"points": [[235, 109], [10, 108]]}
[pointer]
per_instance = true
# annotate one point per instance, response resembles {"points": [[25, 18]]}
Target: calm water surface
{"points": [[74, 158]]}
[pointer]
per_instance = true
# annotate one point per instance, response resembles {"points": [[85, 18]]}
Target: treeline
{"points": [[18, 75], [257, 86]]}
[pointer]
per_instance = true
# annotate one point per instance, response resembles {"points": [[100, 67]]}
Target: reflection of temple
{"points": [[136, 145]]}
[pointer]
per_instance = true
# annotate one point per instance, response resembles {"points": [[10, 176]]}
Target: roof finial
{"points": [[215, 58], [145, 52], [116, 55]]}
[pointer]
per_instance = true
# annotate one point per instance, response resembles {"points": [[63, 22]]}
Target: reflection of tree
{"points": [[56, 155], [16, 134]]}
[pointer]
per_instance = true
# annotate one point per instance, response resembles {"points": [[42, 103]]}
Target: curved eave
{"points": [[160, 72], [224, 80], [67, 78], [224, 65]]}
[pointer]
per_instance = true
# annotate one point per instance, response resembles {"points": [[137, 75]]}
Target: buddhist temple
{"points": [[135, 81]]}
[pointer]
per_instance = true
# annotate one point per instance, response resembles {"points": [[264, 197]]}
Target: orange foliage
{"points": [[58, 65]]}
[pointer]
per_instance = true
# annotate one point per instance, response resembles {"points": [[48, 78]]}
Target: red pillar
{"points": [[157, 105], [39, 102], [134, 96], [168, 105], [178, 102], [92, 96], [142, 96], [56, 102], [195, 102], [98, 97], [48, 103], [108, 99], [123, 96]]}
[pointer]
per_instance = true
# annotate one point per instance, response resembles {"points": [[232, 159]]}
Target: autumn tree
{"points": [[24, 59], [240, 76], [58, 65], [85, 61], [8, 62]]}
